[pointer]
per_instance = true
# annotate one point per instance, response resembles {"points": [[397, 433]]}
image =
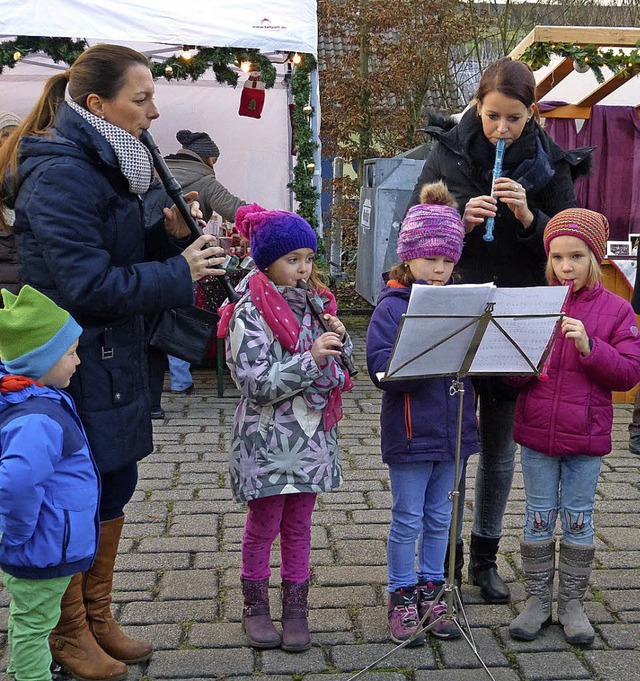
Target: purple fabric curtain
{"points": [[562, 130], [613, 187]]}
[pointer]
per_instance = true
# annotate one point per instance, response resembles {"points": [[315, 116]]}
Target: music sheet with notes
{"points": [[475, 329]]}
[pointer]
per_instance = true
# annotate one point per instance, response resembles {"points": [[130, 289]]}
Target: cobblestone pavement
{"points": [[177, 580]]}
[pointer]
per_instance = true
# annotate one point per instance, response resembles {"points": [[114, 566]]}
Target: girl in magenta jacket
{"points": [[564, 424]]}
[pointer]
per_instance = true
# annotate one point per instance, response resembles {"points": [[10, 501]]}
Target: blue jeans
{"points": [[564, 485], [179, 373], [421, 512]]}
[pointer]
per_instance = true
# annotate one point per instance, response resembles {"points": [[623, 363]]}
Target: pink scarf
{"points": [[275, 310]]}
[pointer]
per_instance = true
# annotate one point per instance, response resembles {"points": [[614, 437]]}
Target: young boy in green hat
{"points": [[48, 480]]}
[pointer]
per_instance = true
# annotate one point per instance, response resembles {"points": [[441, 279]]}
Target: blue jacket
{"points": [[81, 241], [49, 486], [419, 418]]}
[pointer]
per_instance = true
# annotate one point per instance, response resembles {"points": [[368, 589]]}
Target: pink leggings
{"points": [[288, 515]]}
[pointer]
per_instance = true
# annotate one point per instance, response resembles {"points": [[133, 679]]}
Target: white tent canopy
{"points": [[255, 159], [272, 25]]}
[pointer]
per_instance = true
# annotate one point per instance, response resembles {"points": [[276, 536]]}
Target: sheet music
{"points": [[438, 329], [530, 334]]}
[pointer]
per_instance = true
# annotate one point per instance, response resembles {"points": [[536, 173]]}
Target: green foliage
{"points": [[303, 143], [59, 49], [621, 63]]}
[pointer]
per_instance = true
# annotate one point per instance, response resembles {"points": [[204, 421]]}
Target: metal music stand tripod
{"points": [[468, 332]]}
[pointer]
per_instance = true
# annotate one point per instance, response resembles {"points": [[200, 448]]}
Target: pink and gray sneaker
{"points": [[443, 628], [403, 616]]}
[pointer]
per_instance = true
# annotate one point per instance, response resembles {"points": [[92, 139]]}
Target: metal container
{"points": [[384, 197]]}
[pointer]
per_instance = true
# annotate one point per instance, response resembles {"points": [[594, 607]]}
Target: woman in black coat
{"points": [[76, 171], [536, 183]]}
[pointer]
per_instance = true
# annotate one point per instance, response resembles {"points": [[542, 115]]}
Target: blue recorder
{"points": [[497, 172]]}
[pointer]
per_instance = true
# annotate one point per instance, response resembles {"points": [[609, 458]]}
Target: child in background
{"points": [[48, 480], [419, 424], [564, 425], [284, 448]]}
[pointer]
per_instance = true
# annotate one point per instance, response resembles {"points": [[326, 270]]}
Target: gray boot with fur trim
{"points": [[574, 569], [538, 563]]}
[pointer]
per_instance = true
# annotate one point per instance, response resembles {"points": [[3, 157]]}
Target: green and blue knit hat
{"points": [[34, 332]]}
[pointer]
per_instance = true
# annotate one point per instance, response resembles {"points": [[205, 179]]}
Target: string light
{"points": [[245, 66], [186, 53], [308, 109], [17, 55], [296, 59], [168, 70]]}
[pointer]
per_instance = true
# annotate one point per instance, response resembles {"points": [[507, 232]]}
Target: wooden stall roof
{"points": [[600, 36]]}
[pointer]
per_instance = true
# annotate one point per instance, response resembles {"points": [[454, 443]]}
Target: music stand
{"points": [[486, 320]]}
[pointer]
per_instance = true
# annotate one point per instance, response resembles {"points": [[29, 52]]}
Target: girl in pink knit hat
{"points": [[419, 427], [563, 425], [290, 371]]}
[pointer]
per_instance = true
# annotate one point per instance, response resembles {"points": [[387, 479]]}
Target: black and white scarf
{"points": [[133, 157]]}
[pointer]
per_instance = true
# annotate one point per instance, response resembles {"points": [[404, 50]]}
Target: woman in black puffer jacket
{"points": [[537, 183]]}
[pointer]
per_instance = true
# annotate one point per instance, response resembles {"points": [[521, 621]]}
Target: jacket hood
{"points": [[390, 291], [456, 136], [70, 137], [192, 167], [11, 398]]}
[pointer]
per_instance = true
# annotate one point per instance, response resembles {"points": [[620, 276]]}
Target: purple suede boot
{"points": [[295, 626], [256, 618]]}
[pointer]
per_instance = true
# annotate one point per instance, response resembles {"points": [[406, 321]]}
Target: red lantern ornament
{"points": [[252, 97]]}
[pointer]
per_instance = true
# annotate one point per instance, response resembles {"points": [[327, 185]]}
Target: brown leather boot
{"points": [[98, 583], [73, 646]]}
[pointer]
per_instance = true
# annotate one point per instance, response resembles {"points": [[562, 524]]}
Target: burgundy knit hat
{"points": [[273, 233], [431, 228], [586, 225]]}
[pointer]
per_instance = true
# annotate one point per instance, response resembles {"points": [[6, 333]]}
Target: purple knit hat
{"points": [[273, 233], [430, 230]]}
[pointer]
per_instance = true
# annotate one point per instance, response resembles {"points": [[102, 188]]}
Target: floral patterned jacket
{"points": [[279, 444]]}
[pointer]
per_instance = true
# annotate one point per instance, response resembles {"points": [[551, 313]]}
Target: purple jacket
{"points": [[572, 412], [419, 418]]}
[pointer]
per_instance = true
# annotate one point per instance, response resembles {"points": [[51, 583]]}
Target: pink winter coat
{"points": [[572, 412]]}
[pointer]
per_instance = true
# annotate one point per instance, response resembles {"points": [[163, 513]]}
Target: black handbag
{"points": [[184, 332]]}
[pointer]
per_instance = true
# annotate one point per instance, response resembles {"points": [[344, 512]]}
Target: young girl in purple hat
{"points": [[419, 426], [284, 444]]}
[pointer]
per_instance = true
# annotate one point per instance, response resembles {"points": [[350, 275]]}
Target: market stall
{"points": [[255, 162], [588, 90]]}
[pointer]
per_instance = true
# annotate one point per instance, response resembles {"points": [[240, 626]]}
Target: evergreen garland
{"points": [[303, 145], [217, 59], [59, 49], [621, 63]]}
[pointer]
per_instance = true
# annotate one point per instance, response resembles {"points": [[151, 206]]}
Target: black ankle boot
{"points": [[483, 571], [457, 572]]}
